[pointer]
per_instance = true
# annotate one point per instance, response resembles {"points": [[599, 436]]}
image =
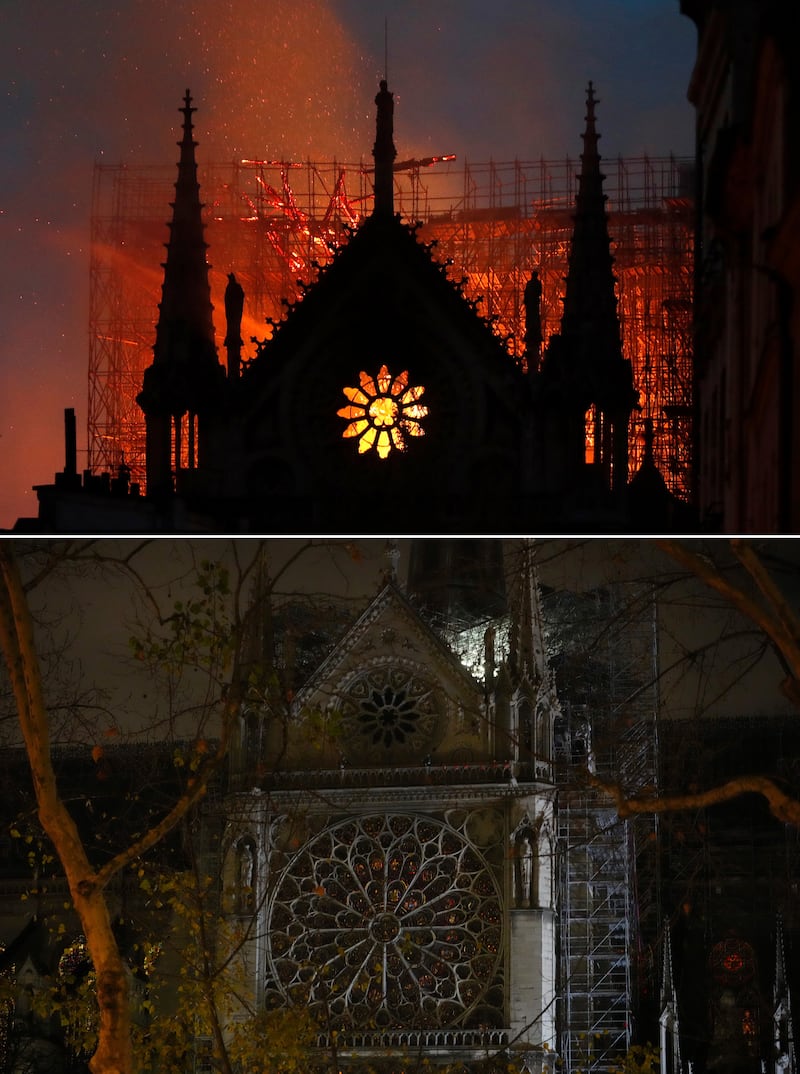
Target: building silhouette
{"points": [[500, 228], [331, 407], [744, 89], [718, 454]]}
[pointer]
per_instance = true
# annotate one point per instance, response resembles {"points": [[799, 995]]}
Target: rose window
{"points": [[732, 961], [383, 410], [389, 709], [389, 921]]}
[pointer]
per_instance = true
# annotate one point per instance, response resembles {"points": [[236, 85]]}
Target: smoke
{"points": [[90, 81]]}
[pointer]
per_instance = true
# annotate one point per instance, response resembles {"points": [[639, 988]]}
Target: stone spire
{"points": [[185, 310], [525, 698], [183, 384], [590, 302], [384, 152], [669, 1029], [528, 655], [783, 1026], [586, 377]]}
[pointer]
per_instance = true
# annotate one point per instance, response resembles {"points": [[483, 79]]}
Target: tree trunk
{"points": [[113, 1054]]}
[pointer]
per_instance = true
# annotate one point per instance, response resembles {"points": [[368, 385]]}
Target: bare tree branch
{"points": [[776, 619], [782, 805]]}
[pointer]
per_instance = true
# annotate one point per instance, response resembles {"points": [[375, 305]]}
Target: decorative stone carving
{"points": [[525, 880]]}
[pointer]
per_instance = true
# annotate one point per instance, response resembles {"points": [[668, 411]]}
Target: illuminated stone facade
{"points": [[404, 876]]}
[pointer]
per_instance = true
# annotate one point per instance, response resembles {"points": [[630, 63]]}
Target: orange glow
{"points": [[381, 411], [266, 80], [590, 422], [748, 1024], [275, 222]]}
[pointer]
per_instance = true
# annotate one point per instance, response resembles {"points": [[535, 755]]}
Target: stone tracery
{"points": [[390, 920]]}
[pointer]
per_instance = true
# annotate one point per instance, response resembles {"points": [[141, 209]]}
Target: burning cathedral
{"points": [[382, 396]]}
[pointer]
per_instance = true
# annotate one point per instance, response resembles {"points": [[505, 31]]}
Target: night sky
{"points": [[87, 81]]}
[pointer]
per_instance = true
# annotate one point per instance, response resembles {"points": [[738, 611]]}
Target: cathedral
{"points": [[382, 400], [414, 847], [408, 845], [433, 865]]}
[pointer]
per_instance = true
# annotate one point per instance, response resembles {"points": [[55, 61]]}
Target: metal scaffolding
{"points": [[273, 223], [609, 897]]}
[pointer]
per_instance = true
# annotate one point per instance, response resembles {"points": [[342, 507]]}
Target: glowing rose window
{"points": [[383, 411], [388, 921], [733, 962]]}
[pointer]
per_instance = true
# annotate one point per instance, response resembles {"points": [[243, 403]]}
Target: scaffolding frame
{"points": [[274, 223], [609, 908]]}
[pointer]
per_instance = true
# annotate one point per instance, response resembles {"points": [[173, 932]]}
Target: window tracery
{"points": [[382, 411], [390, 709], [389, 921]]}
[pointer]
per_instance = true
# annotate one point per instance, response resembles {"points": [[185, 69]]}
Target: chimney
{"points": [[70, 443]]}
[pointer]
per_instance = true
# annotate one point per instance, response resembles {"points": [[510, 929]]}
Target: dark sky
{"points": [[90, 81]]}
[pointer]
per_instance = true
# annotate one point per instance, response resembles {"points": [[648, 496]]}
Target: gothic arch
{"points": [[532, 851]]}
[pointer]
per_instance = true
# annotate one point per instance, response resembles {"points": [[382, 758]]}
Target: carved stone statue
{"points": [[525, 872], [385, 118], [234, 308], [245, 894], [533, 320]]}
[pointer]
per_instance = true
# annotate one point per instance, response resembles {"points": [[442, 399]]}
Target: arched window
{"points": [[591, 440], [524, 727]]}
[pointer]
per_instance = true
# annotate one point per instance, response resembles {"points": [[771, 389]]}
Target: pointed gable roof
{"points": [[34, 944], [391, 693], [389, 629], [384, 302]]}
